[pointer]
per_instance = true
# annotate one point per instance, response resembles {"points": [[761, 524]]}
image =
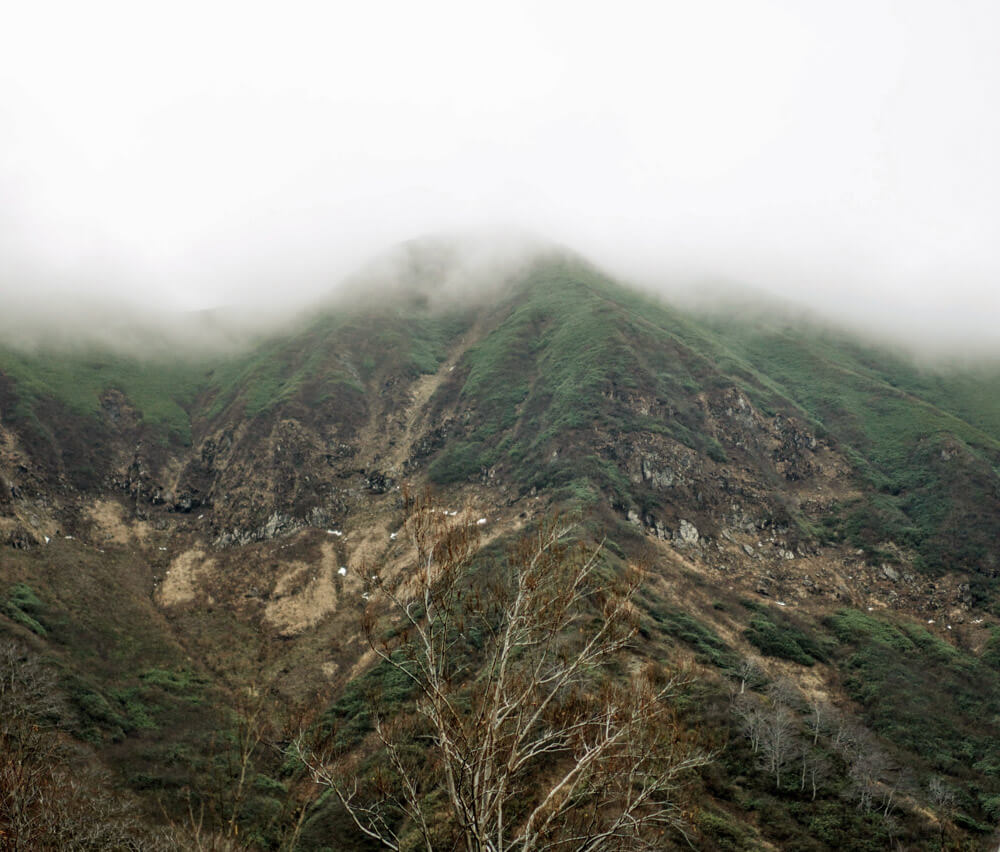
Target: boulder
{"points": [[688, 532], [890, 573]]}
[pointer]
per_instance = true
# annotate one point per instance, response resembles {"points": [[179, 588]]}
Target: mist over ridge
{"points": [[839, 158], [470, 268]]}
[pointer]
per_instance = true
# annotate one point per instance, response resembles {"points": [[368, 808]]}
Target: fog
{"points": [[248, 158]]}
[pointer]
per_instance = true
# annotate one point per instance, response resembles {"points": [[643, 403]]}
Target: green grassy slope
{"points": [[163, 391], [559, 355], [555, 366], [925, 446], [339, 351]]}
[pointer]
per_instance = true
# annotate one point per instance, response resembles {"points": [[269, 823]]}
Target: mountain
{"points": [[178, 526]]}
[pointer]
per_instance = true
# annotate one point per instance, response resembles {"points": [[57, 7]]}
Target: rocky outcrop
{"points": [[687, 532], [21, 538]]}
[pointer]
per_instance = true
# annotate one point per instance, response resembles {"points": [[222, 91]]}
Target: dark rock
{"points": [[186, 502], [431, 442], [379, 483], [339, 452], [21, 539]]}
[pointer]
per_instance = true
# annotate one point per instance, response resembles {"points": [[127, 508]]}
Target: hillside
{"points": [[176, 530]]}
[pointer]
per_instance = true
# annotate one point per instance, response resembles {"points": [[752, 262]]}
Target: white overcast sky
{"points": [[192, 154]]}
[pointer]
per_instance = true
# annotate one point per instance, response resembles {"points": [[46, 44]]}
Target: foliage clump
{"points": [[24, 607], [776, 636]]}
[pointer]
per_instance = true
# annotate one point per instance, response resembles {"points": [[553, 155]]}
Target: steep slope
{"points": [[187, 527]]}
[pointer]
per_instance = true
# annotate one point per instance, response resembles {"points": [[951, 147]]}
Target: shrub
{"points": [[777, 638]]}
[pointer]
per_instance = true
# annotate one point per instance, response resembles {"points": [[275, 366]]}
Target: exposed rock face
{"points": [[119, 410], [278, 524], [891, 573], [186, 502], [729, 486], [431, 442], [794, 455], [688, 532], [378, 482], [656, 473], [21, 539]]}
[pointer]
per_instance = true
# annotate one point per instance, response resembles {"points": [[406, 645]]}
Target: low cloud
{"points": [[224, 158]]}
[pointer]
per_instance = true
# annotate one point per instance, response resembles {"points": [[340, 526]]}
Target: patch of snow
{"points": [[870, 608], [342, 571], [47, 539], [161, 548], [392, 536], [337, 533], [200, 517], [481, 521], [68, 537], [781, 603], [365, 595], [977, 621], [930, 620], [949, 627]]}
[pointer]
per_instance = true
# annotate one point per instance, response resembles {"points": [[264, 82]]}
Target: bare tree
{"points": [[527, 740], [219, 814], [815, 769], [751, 673], [782, 691], [53, 793], [29, 750], [873, 779], [943, 799], [773, 728], [750, 710], [941, 796], [779, 740], [250, 728], [821, 716]]}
